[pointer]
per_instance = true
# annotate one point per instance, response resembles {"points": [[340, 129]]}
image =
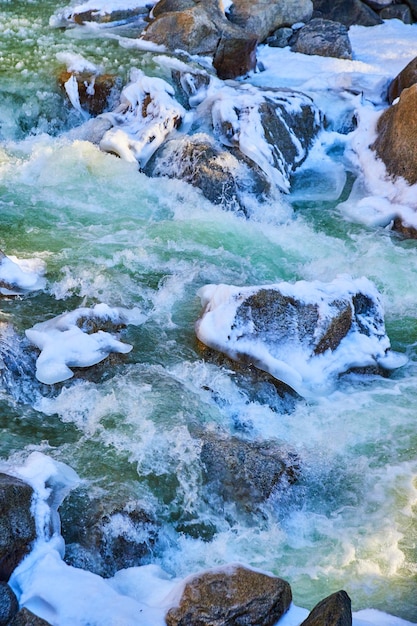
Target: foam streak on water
{"points": [[108, 234]]}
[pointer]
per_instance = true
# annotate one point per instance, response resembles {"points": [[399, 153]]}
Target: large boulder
{"points": [[303, 334], [263, 18], [203, 29], [406, 78], [396, 143], [335, 610], [324, 38], [347, 12], [17, 525], [231, 595], [245, 472]]}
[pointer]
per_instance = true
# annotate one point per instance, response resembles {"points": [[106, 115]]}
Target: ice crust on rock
{"points": [[20, 276], [64, 342], [292, 339]]}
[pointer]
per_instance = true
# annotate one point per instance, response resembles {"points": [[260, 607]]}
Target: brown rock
{"points": [[229, 596], [406, 78], [335, 610], [405, 230], [396, 144], [96, 91], [235, 55], [26, 618], [17, 526]]}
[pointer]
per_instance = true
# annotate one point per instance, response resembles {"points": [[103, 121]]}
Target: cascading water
{"points": [[106, 233]]}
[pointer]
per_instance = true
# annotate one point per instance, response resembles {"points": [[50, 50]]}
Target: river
{"points": [[107, 233]]}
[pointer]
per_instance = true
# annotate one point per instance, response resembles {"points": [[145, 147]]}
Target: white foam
{"points": [[64, 344], [21, 275]]}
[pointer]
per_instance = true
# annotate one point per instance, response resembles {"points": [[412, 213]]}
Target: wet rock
{"points": [[17, 525], [224, 177], [263, 18], [70, 16], [378, 5], [396, 143], [397, 12], [413, 7], [407, 231], [406, 78], [347, 12], [335, 610], [231, 595], [305, 336], [9, 605], [324, 38], [245, 472], [26, 618], [105, 535], [96, 92]]}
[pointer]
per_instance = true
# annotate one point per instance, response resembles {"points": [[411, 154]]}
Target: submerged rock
{"points": [[304, 334], [324, 38], [106, 535], [231, 595], [245, 472], [335, 610], [17, 524], [396, 143]]}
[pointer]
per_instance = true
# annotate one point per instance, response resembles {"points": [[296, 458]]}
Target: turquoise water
{"points": [[109, 234]]}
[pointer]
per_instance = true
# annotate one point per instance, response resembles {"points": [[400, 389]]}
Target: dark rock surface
{"points": [[9, 605], [229, 596], [396, 143], [26, 618], [17, 525], [324, 38], [246, 472], [335, 610], [347, 12]]}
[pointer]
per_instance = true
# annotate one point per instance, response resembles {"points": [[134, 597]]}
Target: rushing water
{"points": [[107, 233]]}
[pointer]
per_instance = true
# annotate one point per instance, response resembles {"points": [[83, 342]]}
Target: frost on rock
{"points": [[76, 339], [303, 334], [148, 113], [18, 276]]}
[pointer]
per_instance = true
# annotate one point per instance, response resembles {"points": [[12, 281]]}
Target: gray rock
{"points": [[347, 12], [224, 177], [263, 18], [280, 38], [245, 472], [229, 596], [397, 12], [106, 535], [377, 5], [26, 618], [324, 38], [335, 610], [413, 7], [17, 525], [9, 605]]}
